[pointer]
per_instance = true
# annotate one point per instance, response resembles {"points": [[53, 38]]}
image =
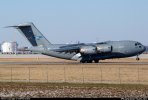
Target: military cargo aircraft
{"points": [[83, 52]]}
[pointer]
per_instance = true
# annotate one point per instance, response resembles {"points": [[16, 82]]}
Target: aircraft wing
{"points": [[69, 48]]}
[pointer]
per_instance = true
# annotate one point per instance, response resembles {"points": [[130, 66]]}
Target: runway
{"points": [[73, 63], [38, 59]]}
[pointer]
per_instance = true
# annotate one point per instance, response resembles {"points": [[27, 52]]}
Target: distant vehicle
{"points": [[83, 52]]}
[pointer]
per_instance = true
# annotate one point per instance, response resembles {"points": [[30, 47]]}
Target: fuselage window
{"points": [[136, 44]]}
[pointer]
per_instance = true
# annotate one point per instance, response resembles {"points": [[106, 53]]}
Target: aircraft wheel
{"points": [[137, 58], [89, 61], [96, 61], [82, 61]]}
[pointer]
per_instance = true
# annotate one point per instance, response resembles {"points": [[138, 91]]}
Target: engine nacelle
{"points": [[88, 50], [104, 48]]}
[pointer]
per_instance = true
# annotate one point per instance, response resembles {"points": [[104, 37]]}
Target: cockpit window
{"points": [[136, 44]]}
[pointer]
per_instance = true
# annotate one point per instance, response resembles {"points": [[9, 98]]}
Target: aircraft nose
{"points": [[144, 48]]}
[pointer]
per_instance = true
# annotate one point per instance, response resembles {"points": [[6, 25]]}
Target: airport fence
{"points": [[114, 74]]}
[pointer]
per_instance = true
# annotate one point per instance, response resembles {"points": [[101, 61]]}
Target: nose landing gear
{"points": [[137, 58]]}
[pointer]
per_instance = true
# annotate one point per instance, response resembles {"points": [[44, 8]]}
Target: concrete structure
{"points": [[9, 47]]}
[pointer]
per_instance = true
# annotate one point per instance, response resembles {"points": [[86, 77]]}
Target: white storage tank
{"points": [[9, 47]]}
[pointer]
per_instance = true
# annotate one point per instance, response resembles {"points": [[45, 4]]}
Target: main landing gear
{"points": [[96, 61], [89, 61]]}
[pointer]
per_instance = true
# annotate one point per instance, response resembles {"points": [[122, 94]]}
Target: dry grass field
{"points": [[74, 73], [72, 79]]}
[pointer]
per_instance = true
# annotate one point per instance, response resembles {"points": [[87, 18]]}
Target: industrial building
{"points": [[9, 47], [12, 48]]}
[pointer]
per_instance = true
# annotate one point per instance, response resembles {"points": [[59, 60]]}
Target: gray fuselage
{"points": [[120, 49]]}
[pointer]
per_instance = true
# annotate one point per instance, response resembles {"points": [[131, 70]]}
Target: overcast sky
{"points": [[70, 21]]}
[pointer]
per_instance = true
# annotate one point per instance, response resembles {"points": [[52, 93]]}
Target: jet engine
{"points": [[104, 48], [101, 48], [88, 50]]}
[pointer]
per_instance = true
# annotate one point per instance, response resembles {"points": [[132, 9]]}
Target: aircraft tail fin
{"points": [[32, 34]]}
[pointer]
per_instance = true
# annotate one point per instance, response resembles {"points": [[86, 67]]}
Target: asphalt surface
{"points": [[73, 63], [144, 56]]}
